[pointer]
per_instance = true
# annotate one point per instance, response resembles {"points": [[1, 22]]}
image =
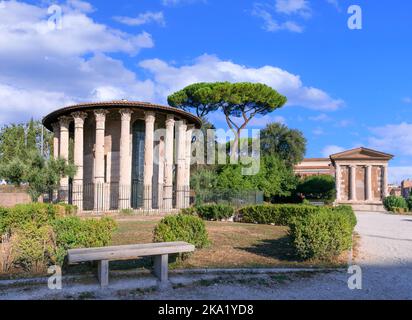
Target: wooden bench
{"points": [[160, 252]]}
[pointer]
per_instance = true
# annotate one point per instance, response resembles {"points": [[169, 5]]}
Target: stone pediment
{"points": [[361, 154]]}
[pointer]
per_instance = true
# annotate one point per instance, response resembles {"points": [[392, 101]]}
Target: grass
{"points": [[233, 245]]}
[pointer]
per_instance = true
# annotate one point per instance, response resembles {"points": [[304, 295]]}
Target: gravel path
{"points": [[385, 256]]}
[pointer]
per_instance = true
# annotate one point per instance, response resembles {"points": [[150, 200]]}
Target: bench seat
{"points": [[160, 252]]}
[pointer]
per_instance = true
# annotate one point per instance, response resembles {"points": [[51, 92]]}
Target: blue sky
{"points": [[346, 88]]}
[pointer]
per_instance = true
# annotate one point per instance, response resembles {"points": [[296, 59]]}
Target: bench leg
{"points": [[161, 266], [103, 272]]}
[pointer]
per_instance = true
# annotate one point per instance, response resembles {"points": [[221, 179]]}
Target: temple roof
{"points": [[53, 117], [361, 154]]}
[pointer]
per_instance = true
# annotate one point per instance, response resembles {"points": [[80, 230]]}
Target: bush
{"points": [[39, 214], [181, 227], [409, 202], [320, 187], [278, 214], [64, 209], [73, 232], [323, 235], [394, 203], [33, 247], [215, 212]]}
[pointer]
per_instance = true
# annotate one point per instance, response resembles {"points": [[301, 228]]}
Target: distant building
{"points": [[314, 167], [406, 188], [395, 190]]}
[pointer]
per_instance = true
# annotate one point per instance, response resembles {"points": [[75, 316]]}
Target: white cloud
{"points": [[143, 18], [300, 7], [209, 68], [330, 150], [318, 131], [270, 24], [44, 69], [395, 139], [398, 174]]}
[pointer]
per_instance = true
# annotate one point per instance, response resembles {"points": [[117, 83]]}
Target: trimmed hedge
{"points": [[215, 212], [323, 235], [42, 233], [316, 232], [72, 233], [181, 227], [278, 214], [409, 201], [395, 204]]}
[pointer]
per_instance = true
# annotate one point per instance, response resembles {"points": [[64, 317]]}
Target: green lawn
{"points": [[233, 245]]}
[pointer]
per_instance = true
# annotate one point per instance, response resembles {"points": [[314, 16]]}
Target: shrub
{"points": [[73, 232], [215, 212], [409, 202], [320, 187], [278, 214], [39, 214], [33, 247], [323, 235], [191, 211], [393, 203], [64, 209], [181, 227]]}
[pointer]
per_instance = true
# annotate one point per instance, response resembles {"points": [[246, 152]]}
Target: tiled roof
{"points": [[53, 117]]}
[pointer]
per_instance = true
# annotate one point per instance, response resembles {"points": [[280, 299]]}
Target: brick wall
{"points": [[10, 196]]}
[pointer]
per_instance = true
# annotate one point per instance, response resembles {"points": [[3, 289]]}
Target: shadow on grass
{"points": [[280, 249]]}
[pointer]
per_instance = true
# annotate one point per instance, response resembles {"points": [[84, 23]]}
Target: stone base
{"points": [[361, 206]]}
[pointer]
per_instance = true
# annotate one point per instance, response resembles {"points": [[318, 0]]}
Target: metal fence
{"points": [[115, 197], [231, 197]]}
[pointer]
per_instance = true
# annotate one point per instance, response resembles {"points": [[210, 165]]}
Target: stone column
{"points": [[79, 118], [125, 164], [169, 151], [368, 183], [161, 173], [64, 154], [181, 165], [148, 160], [352, 189], [385, 190], [338, 182], [100, 116], [56, 140], [188, 147]]}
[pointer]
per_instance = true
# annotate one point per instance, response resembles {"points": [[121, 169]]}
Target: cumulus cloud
{"points": [[332, 149], [393, 138], [143, 18], [43, 69], [209, 68]]}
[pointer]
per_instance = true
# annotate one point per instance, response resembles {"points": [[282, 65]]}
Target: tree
{"points": [[274, 178], [18, 140], [236, 100], [41, 175], [288, 144], [320, 187]]}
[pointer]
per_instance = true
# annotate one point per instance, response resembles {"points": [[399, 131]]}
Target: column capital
{"points": [[79, 117], [150, 116], [170, 120], [126, 114], [65, 121], [100, 115], [55, 126]]}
